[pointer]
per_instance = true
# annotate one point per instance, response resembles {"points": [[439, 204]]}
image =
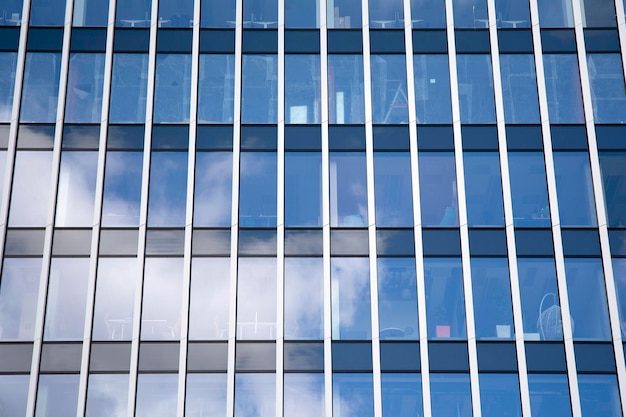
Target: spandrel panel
{"points": [[574, 189], [176, 13], [476, 97], [162, 298], [613, 178], [168, 189], [256, 299], [206, 395], [549, 395], [450, 395], [302, 89], [77, 189], [303, 189], [438, 190], [19, 289], [133, 13], [353, 395], [57, 395], [470, 14], [445, 301], [14, 394], [565, 103], [397, 299], [172, 88], [114, 303], [491, 289], [386, 14], [8, 64], [512, 13], [107, 395], [394, 196], [302, 14], [499, 395], [432, 88], [343, 14], [129, 85], [348, 189], [208, 308], [483, 189], [345, 89], [47, 13], [259, 91], [304, 395], [519, 88], [122, 189], [216, 88], [350, 290], [401, 395], [529, 189], [213, 189], [156, 395], [304, 299], [255, 394], [41, 87], [608, 96], [31, 189], [389, 93], [257, 189], [84, 88], [599, 395], [217, 14]]}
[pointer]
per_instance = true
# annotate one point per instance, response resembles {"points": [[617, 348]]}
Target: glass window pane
{"points": [[493, 313], [47, 13], [90, 13], [599, 395], [519, 88], [555, 13], [257, 189], [255, 395], [565, 104], [549, 395], [77, 189], [499, 395], [348, 189], [162, 297], [19, 290], [156, 395], [350, 281], [397, 299], [13, 10], [345, 89], [260, 14], [67, 297], [41, 87], [445, 300], [172, 88], [115, 295], [389, 97], [483, 189], [343, 14], [217, 14], [470, 14], [302, 89], [128, 88], [394, 196], [14, 394], [528, 189], [304, 395], [438, 196], [176, 13], [213, 189], [168, 189], [512, 13], [57, 395], [84, 88], [216, 88], [353, 395], [619, 273], [8, 64], [303, 189], [304, 299], [206, 395], [259, 89], [450, 395], [401, 395], [386, 14], [614, 181], [208, 308], [31, 189], [432, 88], [107, 395], [133, 13], [574, 189], [608, 96], [256, 299], [476, 88], [302, 14], [122, 189]]}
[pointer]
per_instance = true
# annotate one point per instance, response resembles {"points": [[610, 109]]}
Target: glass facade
{"points": [[281, 208]]}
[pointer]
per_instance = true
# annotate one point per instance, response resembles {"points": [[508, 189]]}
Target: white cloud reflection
{"points": [[350, 298]]}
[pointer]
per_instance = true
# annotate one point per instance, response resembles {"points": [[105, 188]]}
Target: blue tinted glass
{"points": [[156, 395], [172, 88], [386, 14], [343, 14], [607, 88], [260, 14], [574, 189], [217, 14], [213, 189], [176, 13], [445, 301], [350, 280], [57, 395], [432, 88], [353, 395], [257, 189], [216, 89], [549, 395], [476, 89], [206, 395], [428, 14], [587, 299], [483, 189], [493, 314], [438, 196], [345, 89], [528, 189], [470, 14], [303, 189], [18, 299], [499, 395], [256, 299], [599, 395], [47, 13], [41, 87], [302, 14], [304, 298], [91, 13], [397, 299], [208, 306], [619, 273], [401, 395], [134, 13], [450, 395], [8, 63], [255, 395], [392, 182], [565, 104], [31, 189], [512, 13], [389, 96], [122, 189], [77, 189], [519, 88], [128, 88], [302, 89], [304, 395], [259, 89], [162, 297], [12, 15], [168, 189], [348, 189], [107, 394], [14, 394], [613, 175], [555, 13]]}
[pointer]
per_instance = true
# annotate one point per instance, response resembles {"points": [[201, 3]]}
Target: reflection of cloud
{"points": [[13, 394], [77, 189], [107, 396], [168, 189], [31, 189], [206, 395], [213, 189], [18, 298], [255, 395], [353, 395], [157, 395], [210, 286], [304, 395], [350, 296], [256, 298], [303, 298], [122, 189], [162, 297]]}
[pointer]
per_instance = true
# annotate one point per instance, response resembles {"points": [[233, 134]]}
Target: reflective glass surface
{"points": [[348, 189], [57, 395], [90, 13], [11, 13], [608, 95], [428, 14], [304, 395], [31, 189], [255, 395], [392, 177], [574, 189], [261, 14], [216, 89], [304, 299], [303, 189], [401, 395], [172, 88], [350, 289], [156, 395], [512, 13], [162, 296], [47, 13], [259, 89], [217, 14], [619, 273], [77, 189], [613, 176], [206, 395], [302, 89], [19, 289], [302, 14], [386, 14], [450, 395], [519, 88], [176, 13], [397, 299], [438, 196], [8, 63], [541, 313], [555, 13], [499, 395], [353, 395], [389, 97], [257, 189], [345, 89], [483, 189], [432, 87], [256, 299], [470, 14], [491, 289], [213, 189], [41, 87], [84, 89], [168, 189], [549, 395], [343, 14], [476, 89], [14, 394], [563, 86], [122, 189], [445, 305], [128, 88], [107, 395], [208, 308], [599, 395], [528, 189]]}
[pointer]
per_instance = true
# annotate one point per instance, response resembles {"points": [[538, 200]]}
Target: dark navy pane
{"points": [[397, 299], [445, 305], [549, 395], [483, 189], [499, 395], [438, 196], [257, 189], [401, 395], [392, 182], [353, 395], [529, 189], [574, 189], [450, 395]]}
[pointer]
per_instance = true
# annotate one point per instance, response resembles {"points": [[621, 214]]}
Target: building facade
{"points": [[372, 208]]}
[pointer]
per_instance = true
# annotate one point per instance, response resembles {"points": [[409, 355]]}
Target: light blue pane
{"points": [[156, 395], [14, 394], [128, 88], [208, 306], [428, 14], [19, 288], [41, 87], [607, 88], [122, 189], [216, 88], [304, 395], [260, 14], [162, 297], [619, 273], [438, 196], [206, 395], [574, 189], [303, 189], [599, 395], [259, 91], [172, 88], [519, 88], [31, 189], [302, 14], [84, 88], [168, 186], [587, 299], [389, 93], [8, 63], [47, 13], [513, 13], [91, 13], [450, 395], [386, 14], [529, 189], [57, 396], [565, 104], [555, 13], [217, 14], [255, 395], [11, 13], [256, 299], [343, 14], [541, 313], [213, 189], [345, 89], [491, 289], [302, 89], [476, 89], [614, 181], [397, 299], [350, 281], [77, 189], [107, 395], [304, 298], [133, 13], [470, 14], [432, 88], [176, 13], [257, 189], [394, 196], [499, 395], [401, 395], [353, 395], [348, 190], [483, 189], [445, 301], [549, 395]]}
